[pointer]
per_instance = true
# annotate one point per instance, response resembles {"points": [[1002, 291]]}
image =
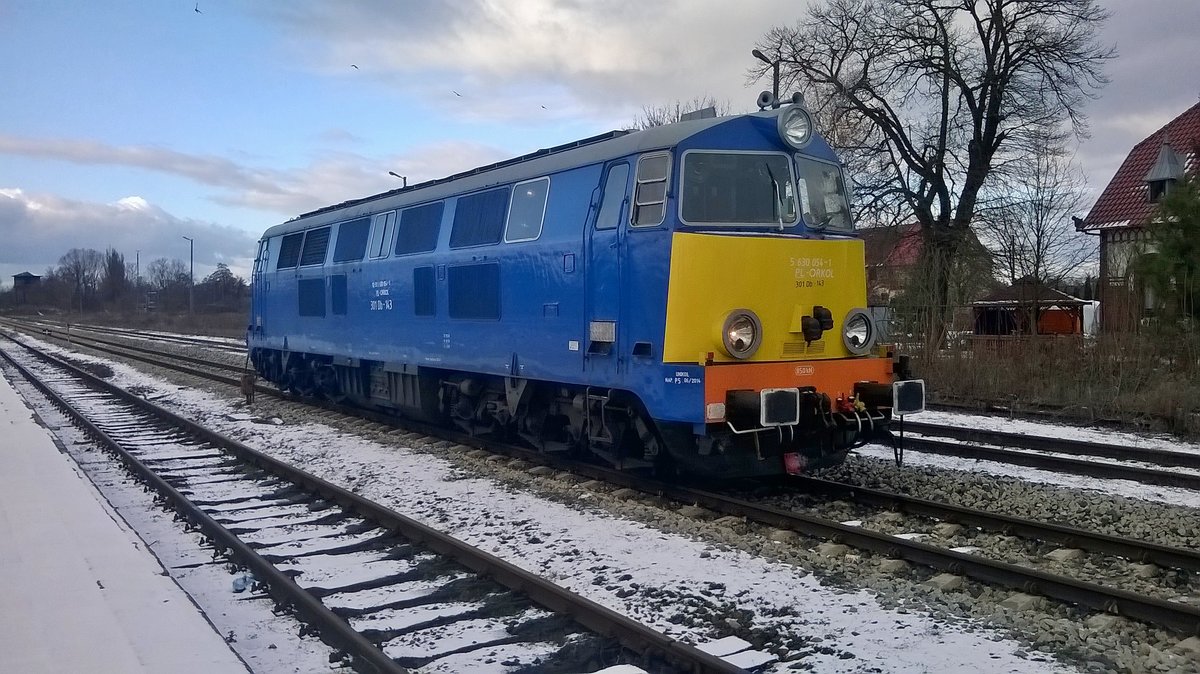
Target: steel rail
{"points": [[1137, 550], [332, 629], [1164, 457], [1059, 464], [166, 337], [601, 620], [70, 338]]}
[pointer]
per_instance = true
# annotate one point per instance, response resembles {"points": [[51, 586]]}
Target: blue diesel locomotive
{"points": [[688, 297]]}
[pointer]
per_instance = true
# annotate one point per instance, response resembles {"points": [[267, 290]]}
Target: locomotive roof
{"points": [[592, 150]]}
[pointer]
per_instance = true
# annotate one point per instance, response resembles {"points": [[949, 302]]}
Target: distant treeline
{"points": [[87, 280]]}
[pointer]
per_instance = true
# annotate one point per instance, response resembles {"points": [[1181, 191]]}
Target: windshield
{"points": [[823, 200], [738, 188]]}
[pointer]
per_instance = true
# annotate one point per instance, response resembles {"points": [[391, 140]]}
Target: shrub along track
{"points": [[339, 561]]}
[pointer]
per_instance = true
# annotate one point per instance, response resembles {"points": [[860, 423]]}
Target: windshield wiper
{"points": [[777, 206]]}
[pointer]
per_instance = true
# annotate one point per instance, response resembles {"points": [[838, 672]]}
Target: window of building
{"points": [[316, 244], [419, 228], [381, 234], [479, 218], [352, 240], [650, 197], [526, 210]]}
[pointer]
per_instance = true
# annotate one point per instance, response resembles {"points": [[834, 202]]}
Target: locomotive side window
{"points": [[419, 228], [479, 218], [527, 210], [650, 197], [737, 188], [381, 234], [316, 244], [352, 240], [289, 251], [614, 195], [822, 195]]}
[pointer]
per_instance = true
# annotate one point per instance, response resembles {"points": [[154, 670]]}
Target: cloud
{"points": [[330, 178], [600, 59], [39, 228]]}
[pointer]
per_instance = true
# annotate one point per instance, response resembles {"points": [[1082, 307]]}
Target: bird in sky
{"points": [[456, 93], [198, 8], [354, 66]]}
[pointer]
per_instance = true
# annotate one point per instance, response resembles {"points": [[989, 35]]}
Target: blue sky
{"points": [[133, 123]]}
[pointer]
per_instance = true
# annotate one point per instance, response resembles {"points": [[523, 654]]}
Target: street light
{"points": [[191, 275], [404, 178], [775, 73]]}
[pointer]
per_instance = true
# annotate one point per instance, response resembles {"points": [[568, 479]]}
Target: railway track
{"points": [[1158, 457], [216, 343], [390, 593], [1176, 616]]}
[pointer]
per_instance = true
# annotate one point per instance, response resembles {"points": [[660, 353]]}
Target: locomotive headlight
{"points": [[741, 333], [858, 332], [795, 126]]}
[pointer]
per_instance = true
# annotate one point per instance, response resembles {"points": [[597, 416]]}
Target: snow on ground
{"points": [[653, 576], [79, 590], [1056, 430]]}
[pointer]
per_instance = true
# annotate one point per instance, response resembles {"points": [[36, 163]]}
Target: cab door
{"points": [[603, 359]]}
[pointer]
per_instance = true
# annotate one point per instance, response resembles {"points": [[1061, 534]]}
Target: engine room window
{"points": [[650, 197], [614, 196], [419, 228], [352, 240], [316, 244], [479, 218], [823, 200], [740, 188], [289, 251], [527, 210], [381, 234]]}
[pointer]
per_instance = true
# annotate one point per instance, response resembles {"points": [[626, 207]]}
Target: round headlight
{"points": [[858, 332], [741, 334], [795, 126]]}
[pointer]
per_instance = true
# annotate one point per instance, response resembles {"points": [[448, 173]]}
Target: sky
{"points": [[132, 124]]}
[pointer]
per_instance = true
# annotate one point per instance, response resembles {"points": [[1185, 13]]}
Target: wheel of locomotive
{"points": [[299, 378], [326, 383]]}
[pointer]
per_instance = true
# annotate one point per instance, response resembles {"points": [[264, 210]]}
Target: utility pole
{"points": [[191, 275], [774, 73]]}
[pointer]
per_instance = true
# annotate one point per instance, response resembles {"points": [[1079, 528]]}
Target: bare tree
{"points": [[80, 268], [1026, 219], [658, 115], [945, 93], [164, 273]]}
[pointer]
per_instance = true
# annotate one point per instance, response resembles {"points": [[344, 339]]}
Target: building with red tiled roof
{"points": [[1126, 206], [892, 253]]}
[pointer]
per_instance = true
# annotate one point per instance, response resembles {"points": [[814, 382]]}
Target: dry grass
{"points": [[1147, 379]]}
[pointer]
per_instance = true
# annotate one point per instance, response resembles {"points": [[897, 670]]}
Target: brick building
{"points": [[1127, 205]]}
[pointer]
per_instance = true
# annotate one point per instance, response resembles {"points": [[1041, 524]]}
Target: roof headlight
{"points": [[858, 332], [795, 126], [741, 333]]}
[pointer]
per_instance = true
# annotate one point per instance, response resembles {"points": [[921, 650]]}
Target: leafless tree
{"points": [[658, 115], [1026, 220], [164, 273], [80, 268], [940, 95]]}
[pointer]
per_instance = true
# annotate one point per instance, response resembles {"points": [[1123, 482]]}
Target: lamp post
{"points": [[774, 72], [191, 275], [397, 175]]}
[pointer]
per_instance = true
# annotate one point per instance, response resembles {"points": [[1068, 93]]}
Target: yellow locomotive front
{"points": [[767, 294]]}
